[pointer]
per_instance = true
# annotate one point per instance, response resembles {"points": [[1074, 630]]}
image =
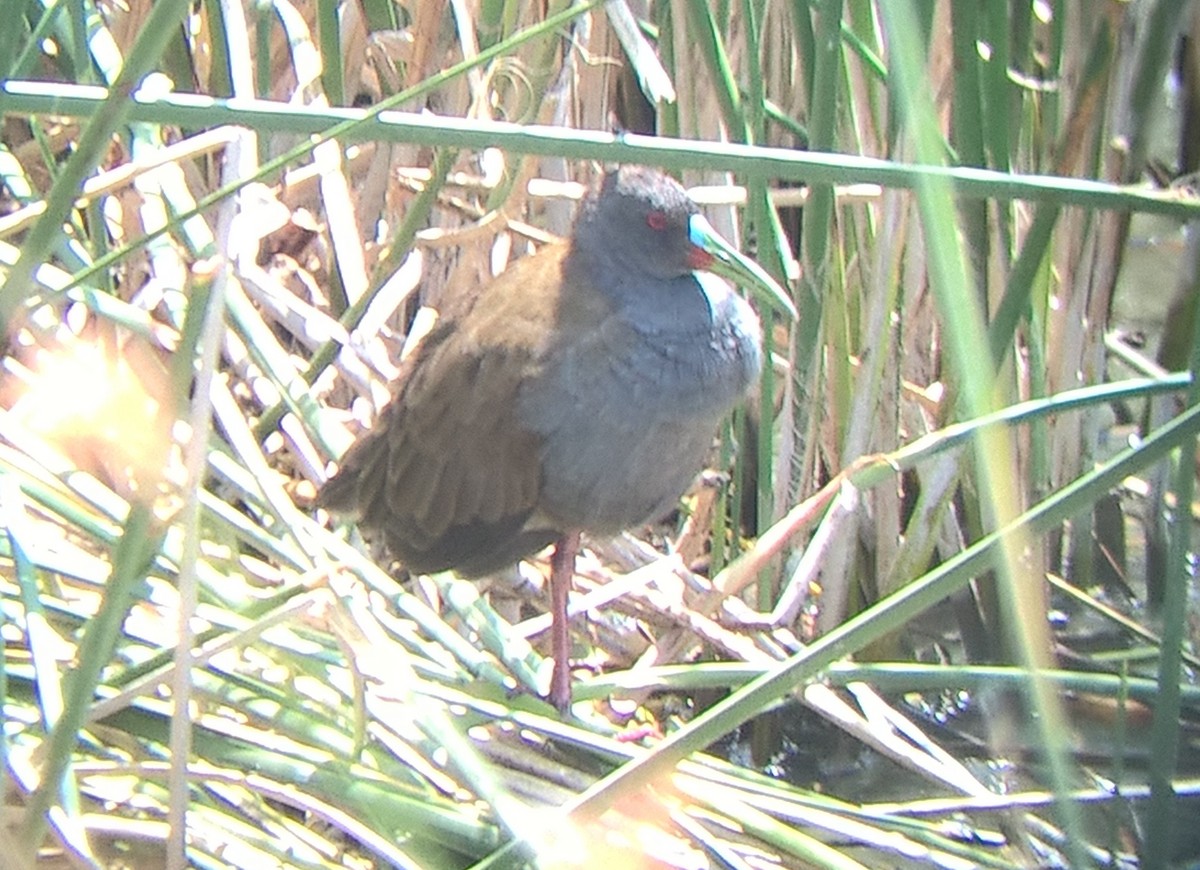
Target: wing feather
{"points": [[449, 474]]}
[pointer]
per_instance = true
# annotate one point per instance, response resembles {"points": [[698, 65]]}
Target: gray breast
{"points": [[628, 415]]}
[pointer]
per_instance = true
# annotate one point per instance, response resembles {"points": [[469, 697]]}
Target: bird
{"points": [[579, 391]]}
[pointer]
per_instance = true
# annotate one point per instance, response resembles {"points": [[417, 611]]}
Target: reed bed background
{"points": [[224, 220]]}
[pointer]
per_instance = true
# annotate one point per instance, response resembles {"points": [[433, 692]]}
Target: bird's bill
{"points": [[732, 265]]}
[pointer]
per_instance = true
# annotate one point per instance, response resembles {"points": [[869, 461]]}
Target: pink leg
{"points": [[562, 573]]}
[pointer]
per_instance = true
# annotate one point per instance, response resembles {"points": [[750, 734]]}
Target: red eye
{"points": [[657, 221]]}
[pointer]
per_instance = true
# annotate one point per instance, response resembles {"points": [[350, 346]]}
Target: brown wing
{"points": [[448, 474]]}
